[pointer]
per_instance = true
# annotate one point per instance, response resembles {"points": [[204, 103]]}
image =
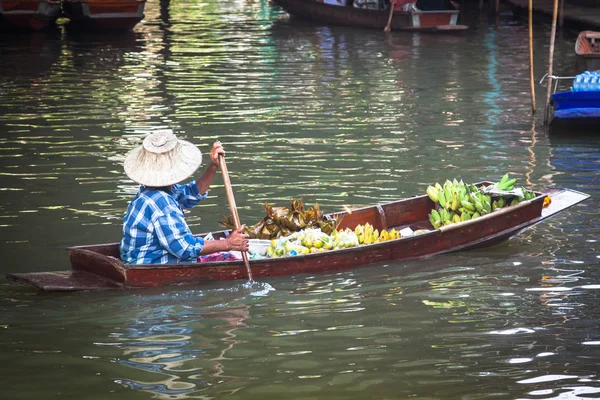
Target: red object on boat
{"points": [[437, 20], [28, 14], [103, 15], [98, 267], [587, 50]]}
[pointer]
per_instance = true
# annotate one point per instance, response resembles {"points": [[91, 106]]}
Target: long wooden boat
{"points": [[37, 15], [103, 15], [587, 49], [98, 267], [438, 20]]}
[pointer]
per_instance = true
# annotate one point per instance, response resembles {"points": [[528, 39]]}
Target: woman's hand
{"points": [[215, 152], [237, 240]]}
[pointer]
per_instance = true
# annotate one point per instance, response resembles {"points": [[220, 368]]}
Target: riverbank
{"points": [[574, 15]]}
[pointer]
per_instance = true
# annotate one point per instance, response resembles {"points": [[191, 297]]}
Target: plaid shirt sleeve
{"points": [[187, 195], [174, 235]]}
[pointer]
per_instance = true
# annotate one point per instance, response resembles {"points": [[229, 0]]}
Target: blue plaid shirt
{"points": [[154, 227]]}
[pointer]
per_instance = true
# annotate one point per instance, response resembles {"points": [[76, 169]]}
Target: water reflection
{"points": [[28, 56], [185, 346], [101, 53]]}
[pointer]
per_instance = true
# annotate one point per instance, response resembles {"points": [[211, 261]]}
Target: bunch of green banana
{"points": [[527, 195], [457, 201], [506, 183]]}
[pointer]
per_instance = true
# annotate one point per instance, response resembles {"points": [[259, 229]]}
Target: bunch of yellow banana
{"points": [[367, 235]]}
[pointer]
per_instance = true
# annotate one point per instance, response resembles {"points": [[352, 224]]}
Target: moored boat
{"points": [[578, 107], [103, 15], [587, 49], [98, 267], [34, 15], [414, 20]]}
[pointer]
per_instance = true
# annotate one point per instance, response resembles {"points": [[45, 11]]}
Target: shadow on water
{"points": [[107, 50], [28, 55]]}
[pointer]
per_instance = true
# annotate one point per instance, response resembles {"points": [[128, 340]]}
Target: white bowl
{"points": [[258, 246]]}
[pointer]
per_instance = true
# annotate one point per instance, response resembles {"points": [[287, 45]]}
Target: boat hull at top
{"points": [[22, 15], [98, 267], [103, 15], [439, 20], [587, 49]]}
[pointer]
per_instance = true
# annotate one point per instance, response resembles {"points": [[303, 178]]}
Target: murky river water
{"points": [[340, 116]]}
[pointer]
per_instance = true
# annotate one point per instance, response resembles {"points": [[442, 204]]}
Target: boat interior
{"points": [[410, 213]]}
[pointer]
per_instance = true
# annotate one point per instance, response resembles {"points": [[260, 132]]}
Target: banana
{"points": [[368, 239], [503, 180], [432, 218], [448, 194], [432, 192], [384, 235], [456, 218], [475, 215], [479, 207], [465, 216], [487, 206], [359, 229], [368, 234], [442, 198], [501, 202], [444, 215], [455, 200], [510, 184], [467, 205], [438, 187], [494, 205]]}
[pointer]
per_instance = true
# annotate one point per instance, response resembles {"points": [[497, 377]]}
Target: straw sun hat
{"points": [[162, 160]]}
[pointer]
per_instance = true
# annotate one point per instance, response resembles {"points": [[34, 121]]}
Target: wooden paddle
{"points": [[388, 27], [236, 217]]}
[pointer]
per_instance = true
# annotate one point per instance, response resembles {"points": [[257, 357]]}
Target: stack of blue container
{"points": [[588, 81]]}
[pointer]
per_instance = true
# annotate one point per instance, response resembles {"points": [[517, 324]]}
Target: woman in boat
{"points": [[154, 227]]}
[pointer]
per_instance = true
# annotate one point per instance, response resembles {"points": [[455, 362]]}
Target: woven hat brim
{"points": [[164, 169]]}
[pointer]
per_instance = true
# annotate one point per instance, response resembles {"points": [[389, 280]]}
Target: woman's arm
{"points": [[203, 183], [236, 241]]}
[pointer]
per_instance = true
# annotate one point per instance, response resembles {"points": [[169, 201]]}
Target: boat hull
{"points": [[103, 15], [579, 109], [442, 20], [101, 262], [21, 15]]}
